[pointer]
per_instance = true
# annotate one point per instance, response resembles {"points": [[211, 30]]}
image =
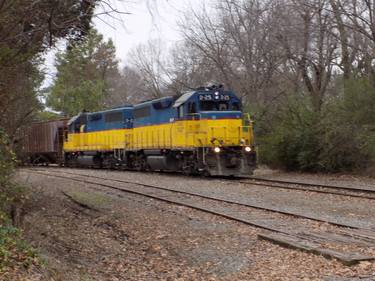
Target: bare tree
{"points": [[348, 53], [309, 44], [149, 61], [188, 68], [234, 40], [253, 53], [203, 32], [128, 88], [360, 21]]}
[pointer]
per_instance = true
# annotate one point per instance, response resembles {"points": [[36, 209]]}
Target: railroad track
{"points": [[301, 239], [215, 198], [362, 192], [357, 192], [223, 199]]}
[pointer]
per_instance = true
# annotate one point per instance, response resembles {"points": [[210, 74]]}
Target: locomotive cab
{"points": [[221, 134], [208, 104]]}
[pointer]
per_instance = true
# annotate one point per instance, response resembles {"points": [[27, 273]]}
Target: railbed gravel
{"points": [[161, 241], [286, 223], [357, 212]]}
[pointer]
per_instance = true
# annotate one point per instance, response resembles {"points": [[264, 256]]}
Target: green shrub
{"points": [[13, 250], [7, 158], [340, 137], [292, 142], [7, 162]]}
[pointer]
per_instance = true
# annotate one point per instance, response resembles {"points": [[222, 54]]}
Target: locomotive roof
{"points": [[153, 100], [112, 109], [74, 118], [183, 99]]}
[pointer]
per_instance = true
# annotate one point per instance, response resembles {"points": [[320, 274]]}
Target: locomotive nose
{"points": [[234, 161]]}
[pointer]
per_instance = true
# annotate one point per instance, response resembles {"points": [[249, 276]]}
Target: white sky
{"points": [[148, 19]]}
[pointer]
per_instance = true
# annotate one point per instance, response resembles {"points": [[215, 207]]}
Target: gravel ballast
{"points": [[135, 238]]}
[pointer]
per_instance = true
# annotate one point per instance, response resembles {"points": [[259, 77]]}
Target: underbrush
{"points": [[338, 138], [14, 251]]}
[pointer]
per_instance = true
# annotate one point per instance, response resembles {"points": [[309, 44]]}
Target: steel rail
{"points": [[291, 185], [312, 187], [294, 241], [270, 209]]}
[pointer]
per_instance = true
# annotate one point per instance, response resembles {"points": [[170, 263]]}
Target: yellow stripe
{"points": [[181, 134]]}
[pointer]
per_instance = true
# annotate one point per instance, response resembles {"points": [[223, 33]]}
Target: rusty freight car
{"points": [[42, 142]]}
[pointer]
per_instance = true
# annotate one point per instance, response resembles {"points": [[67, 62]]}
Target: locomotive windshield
{"points": [[218, 102], [214, 106]]}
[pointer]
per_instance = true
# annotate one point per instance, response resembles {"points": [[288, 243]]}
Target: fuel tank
{"points": [[162, 163]]}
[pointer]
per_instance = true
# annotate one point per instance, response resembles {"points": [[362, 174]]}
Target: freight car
{"points": [[201, 132], [41, 143]]}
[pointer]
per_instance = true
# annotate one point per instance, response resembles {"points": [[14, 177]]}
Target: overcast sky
{"points": [[147, 19]]}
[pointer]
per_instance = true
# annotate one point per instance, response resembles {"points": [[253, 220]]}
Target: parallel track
{"points": [[364, 192], [198, 195], [284, 235], [360, 192], [160, 198]]}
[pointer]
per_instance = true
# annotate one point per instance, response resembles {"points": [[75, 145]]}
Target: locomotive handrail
{"points": [[245, 134], [247, 116], [195, 114]]}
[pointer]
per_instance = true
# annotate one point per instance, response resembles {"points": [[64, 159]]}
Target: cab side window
{"points": [[77, 126], [208, 105], [223, 106], [192, 108], [181, 111], [236, 106]]}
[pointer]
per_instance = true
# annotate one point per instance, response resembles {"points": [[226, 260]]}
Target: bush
{"points": [[292, 140], [7, 164], [7, 158], [340, 137], [13, 251]]}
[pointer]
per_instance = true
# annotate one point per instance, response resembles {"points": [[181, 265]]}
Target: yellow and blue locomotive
{"points": [[201, 132]]}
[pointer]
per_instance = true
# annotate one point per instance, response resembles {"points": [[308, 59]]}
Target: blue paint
{"points": [[124, 119], [154, 112], [202, 104]]}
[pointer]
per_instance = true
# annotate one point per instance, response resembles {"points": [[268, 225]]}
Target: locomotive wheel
{"points": [[141, 163]]}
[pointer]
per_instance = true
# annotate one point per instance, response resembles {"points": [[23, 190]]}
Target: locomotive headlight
{"points": [[248, 149], [217, 149]]}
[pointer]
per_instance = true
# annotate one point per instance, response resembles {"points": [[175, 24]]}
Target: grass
{"points": [[14, 251], [93, 200]]}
